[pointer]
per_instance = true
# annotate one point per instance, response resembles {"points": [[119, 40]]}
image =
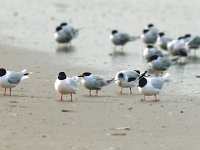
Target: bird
{"points": [[65, 33], [127, 79], [149, 37], [149, 86], [120, 39], [150, 51], [94, 82], [159, 64], [152, 28], [10, 79], [178, 47], [66, 85], [192, 42], [162, 41]]}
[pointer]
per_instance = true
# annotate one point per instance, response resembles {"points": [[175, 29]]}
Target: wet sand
{"points": [[35, 118]]}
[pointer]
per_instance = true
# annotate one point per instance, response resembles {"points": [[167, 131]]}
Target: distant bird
{"points": [[65, 33], [93, 82], [161, 64], [192, 42], [120, 39], [149, 86], [163, 40], [127, 79], [150, 51], [66, 85], [10, 79], [152, 28], [149, 37], [178, 47]]}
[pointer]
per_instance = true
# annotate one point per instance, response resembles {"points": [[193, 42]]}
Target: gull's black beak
{"points": [[80, 76]]}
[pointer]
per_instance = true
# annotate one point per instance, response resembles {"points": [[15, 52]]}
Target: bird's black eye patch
{"points": [[87, 74], [142, 82], [121, 75], [2, 72], [62, 76], [131, 79], [114, 31]]}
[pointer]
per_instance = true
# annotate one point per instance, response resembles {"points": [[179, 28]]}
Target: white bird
{"points": [[162, 40], [10, 79], [127, 79], [149, 86], [66, 85], [65, 33], [120, 39], [149, 37], [150, 51], [93, 82]]}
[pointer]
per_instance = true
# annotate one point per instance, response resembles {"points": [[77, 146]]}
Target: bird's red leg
{"points": [[144, 98], [5, 91]]}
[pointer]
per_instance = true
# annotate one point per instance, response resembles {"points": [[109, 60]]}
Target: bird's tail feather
{"points": [[134, 38], [109, 81], [166, 77]]}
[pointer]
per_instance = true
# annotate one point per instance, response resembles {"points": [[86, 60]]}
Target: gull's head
{"points": [[150, 25], [63, 24], [85, 74], [149, 46], [187, 35], [2, 72], [145, 31], [114, 32], [58, 28], [62, 76], [161, 34]]}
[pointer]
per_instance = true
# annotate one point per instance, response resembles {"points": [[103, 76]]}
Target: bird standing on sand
{"points": [[66, 85], [93, 82], [120, 39], [127, 79], [65, 33], [162, 41], [10, 79], [149, 86], [149, 37], [160, 64], [150, 51]]}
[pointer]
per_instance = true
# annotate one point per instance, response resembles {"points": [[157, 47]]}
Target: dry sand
{"points": [[33, 118]]}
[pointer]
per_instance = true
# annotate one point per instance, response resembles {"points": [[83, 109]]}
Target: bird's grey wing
{"points": [[195, 41], [157, 83], [124, 37], [15, 77], [161, 64]]}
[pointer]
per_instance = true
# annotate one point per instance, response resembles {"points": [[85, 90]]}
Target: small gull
{"points": [[10, 79], [120, 39], [94, 82], [149, 86], [66, 85]]}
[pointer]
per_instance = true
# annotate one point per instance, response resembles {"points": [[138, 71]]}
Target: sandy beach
{"points": [[34, 118]]}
